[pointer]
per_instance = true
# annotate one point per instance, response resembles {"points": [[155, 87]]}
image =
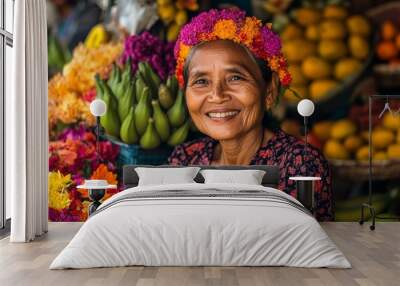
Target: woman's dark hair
{"points": [[265, 70]]}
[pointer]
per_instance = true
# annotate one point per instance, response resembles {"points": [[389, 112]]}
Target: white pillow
{"points": [[248, 177], [164, 176]]}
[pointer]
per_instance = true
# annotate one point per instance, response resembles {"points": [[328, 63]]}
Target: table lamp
{"points": [[306, 184], [305, 108], [98, 108], [96, 188]]}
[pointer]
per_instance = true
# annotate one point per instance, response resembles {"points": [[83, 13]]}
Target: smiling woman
{"points": [[231, 67]]}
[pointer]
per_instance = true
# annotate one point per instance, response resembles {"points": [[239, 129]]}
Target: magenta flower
{"points": [[149, 48]]}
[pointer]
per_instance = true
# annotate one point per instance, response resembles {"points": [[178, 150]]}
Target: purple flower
{"points": [[149, 48], [271, 41], [75, 133], [204, 23]]}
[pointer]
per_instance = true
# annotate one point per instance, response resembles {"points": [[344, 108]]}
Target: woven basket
{"points": [[132, 154], [359, 171]]}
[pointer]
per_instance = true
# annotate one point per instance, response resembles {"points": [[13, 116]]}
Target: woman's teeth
{"points": [[222, 114]]}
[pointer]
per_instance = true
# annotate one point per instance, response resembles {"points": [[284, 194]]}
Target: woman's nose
{"points": [[218, 93]]}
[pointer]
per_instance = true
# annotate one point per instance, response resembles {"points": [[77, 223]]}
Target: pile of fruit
{"points": [[141, 109], [324, 47], [174, 15], [388, 48], [344, 140]]}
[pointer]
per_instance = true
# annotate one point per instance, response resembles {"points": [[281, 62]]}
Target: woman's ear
{"points": [[272, 91]]}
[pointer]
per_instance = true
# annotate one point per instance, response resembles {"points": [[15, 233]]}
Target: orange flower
{"points": [[249, 30], [67, 156], [225, 29], [102, 173], [184, 51]]}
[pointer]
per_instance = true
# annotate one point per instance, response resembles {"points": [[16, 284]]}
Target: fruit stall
{"points": [[339, 53]]}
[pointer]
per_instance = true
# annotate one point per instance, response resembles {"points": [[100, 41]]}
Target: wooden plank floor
{"points": [[375, 257]]}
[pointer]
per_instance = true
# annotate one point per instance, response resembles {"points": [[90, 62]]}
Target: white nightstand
{"points": [[97, 190], [305, 190]]}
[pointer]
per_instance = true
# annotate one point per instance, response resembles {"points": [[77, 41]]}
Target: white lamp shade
{"points": [[98, 107], [305, 107]]}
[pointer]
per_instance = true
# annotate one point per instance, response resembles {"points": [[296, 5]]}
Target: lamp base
{"points": [[372, 213], [95, 195], [305, 191]]}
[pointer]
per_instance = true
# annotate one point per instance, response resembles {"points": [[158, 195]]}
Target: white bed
{"points": [[224, 225]]}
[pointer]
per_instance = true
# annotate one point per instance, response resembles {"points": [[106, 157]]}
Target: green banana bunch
{"points": [[165, 96], [128, 132], [150, 78], [110, 120], [126, 102], [177, 113], [122, 86], [127, 72], [99, 87], [160, 121], [102, 89], [153, 78], [150, 138], [143, 111], [140, 85], [179, 135], [115, 78], [111, 77], [172, 84]]}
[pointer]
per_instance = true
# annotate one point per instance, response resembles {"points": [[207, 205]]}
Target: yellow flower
{"points": [[85, 63], [65, 91], [68, 108], [58, 190], [225, 29]]}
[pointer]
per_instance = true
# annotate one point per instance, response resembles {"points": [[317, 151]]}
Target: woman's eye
{"points": [[200, 82], [235, 78]]}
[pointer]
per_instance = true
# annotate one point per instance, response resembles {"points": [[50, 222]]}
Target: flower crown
{"points": [[232, 24]]}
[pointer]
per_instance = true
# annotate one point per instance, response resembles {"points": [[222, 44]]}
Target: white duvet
{"points": [[190, 231]]}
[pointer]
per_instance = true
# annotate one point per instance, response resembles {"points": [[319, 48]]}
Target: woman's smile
{"points": [[222, 114]]}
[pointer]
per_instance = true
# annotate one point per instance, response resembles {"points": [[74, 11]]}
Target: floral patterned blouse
{"points": [[283, 150]]}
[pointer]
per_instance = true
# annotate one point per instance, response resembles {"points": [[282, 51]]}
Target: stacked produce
{"points": [[174, 15], [388, 48], [344, 140], [141, 109], [324, 47], [70, 93]]}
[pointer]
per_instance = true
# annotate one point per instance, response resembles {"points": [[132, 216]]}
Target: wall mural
{"points": [[123, 53]]}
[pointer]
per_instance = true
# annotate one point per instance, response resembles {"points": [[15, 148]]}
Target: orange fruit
{"points": [[388, 30], [397, 41], [386, 50]]}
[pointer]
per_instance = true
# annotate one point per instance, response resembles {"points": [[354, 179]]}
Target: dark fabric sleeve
{"points": [[317, 166], [178, 156]]}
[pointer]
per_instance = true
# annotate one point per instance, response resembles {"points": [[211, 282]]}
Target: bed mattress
{"points": [[201, 225]]}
